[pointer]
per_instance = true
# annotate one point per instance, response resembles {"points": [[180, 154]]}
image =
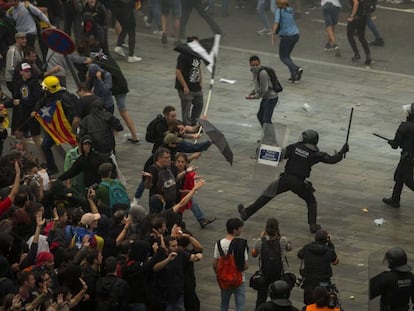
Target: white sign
{"points": [[269, 155]]}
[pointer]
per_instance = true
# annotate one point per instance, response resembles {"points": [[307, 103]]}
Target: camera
{"points": [[299, 281], [333, 296]]}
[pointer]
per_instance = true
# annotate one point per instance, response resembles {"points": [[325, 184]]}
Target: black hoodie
{"points": [[317, 259]]}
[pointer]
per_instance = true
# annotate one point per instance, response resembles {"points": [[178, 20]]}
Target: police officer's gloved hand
{"points": [[393, 144], [345, 149]]}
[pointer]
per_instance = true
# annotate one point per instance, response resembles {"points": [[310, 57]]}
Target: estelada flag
{"points": [[53, 119], [3, 113]]}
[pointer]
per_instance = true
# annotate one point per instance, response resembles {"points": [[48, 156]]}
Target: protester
{"points": [[263, 89], [357, 22], [231, 244], [285, 26]]}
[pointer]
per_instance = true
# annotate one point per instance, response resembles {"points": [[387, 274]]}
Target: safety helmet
{"points": [[279, 293], [397, 259], [51, 84], [310, 137]]}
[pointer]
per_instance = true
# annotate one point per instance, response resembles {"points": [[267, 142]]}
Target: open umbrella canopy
{"points": [[218, 139]]}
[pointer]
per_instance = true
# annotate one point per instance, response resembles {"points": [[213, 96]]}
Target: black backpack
{"points": [[271, 259], [368, 6], [276, 86], [151, 135]]}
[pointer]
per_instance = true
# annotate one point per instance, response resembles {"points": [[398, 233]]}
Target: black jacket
{"points": [[112, 294], [317, 259], [88, 164], [100, 124], [302, 156], [396, 288]]}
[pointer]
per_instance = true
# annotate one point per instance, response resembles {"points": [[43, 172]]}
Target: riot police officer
{"points": [[404, 138], [395, 286], [301, 157], [279, 292]]}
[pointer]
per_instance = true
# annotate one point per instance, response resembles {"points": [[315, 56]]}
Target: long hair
{"points": [[272, 228]]}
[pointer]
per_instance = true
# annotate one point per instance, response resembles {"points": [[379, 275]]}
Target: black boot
{"points": [[242, 212], [391, 202], [314, 227], [377, 42]]}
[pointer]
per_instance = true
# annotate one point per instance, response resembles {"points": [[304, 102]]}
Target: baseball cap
{"points": [[171, 138], [88, 218], [20, 35], [25, 67]]}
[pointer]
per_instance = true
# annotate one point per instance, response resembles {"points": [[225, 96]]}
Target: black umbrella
{"points": [[218, 139]]}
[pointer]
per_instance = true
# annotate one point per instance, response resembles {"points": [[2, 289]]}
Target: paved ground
{"points": [[331, 86]]}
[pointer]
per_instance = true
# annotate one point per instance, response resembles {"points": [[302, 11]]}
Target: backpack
{"points": [[368, 6], [271, 259], [228, 276], [151, 135], [117, 193], [276, 86]]}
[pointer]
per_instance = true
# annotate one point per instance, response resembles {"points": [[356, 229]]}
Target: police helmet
{"points": [[397, 260], [310, 137], [51, 84], [280, 292]]}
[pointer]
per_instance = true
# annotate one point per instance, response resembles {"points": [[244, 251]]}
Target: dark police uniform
{"points": [[301, 157], [404, 138], [395, 288]]}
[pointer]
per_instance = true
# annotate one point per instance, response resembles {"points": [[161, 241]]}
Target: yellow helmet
{"points": [[51, 84]]}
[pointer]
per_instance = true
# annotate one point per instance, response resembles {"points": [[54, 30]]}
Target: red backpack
{"points": [[228, 276]]}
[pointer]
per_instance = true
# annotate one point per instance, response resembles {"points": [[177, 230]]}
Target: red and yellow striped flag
{"points": [[53, 119]]}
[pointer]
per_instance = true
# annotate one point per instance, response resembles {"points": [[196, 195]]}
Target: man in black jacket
{"points": [[317, 258], [301, 157], [112, 293], [88, 163]]}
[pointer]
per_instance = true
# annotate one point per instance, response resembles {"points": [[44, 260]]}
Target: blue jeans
{"points": [[177, 305], [47, 145], [197, 212], [156, 13], [262, 13], [224, 6], [371, 26], [286, 45], [239, 297], [266, 108]]}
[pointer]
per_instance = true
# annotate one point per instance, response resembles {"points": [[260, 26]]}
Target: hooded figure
{"points": [[100, 125], [100, 82]]}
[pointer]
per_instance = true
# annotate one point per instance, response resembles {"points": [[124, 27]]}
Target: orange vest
{"points": [[313, 307]]}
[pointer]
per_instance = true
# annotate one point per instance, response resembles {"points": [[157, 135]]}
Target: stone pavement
{"points": [[342, 190], [359, 182]]}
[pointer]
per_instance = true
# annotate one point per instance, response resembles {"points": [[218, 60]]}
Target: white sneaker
{"points": [[263, 31], [134, 59], [125, 45], [157, 32], [120, 51]]}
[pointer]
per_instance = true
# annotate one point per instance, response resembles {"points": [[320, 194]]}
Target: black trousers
{"points": [[187, 7], [358, 25], [125, 16], [403, 175], [300, 187]]}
